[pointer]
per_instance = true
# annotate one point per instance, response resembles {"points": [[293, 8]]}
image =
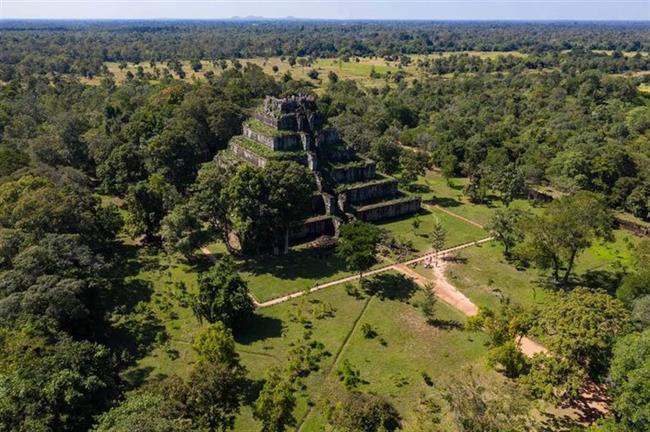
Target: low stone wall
{"points": [[388, 209], [628, 225], [312, 228], [370, 191], [284, 122], [354, 173], [327, 137], [285, 142], [640, 230], [247, 155]]}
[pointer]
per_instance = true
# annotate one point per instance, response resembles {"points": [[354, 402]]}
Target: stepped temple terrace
{"points": [[348, 185]]}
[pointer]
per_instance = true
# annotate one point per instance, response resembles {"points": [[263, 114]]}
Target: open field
{"points": [[391, 363], [357, 68], [451, 197], [270, 276], [484, 276], [458, 231], [406, 347]]}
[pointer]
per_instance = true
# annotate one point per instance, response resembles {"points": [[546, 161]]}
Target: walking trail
{"points": [[456, 215], [352, 278], [446, 292]]}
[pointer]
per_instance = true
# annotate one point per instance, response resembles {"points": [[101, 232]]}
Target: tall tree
{"points": [[214, 395], [568, 226], [630, 374], [223, 296], [291, 187], [477, 406], [438, 236], [357, 245], [276, 402], [209, 201], [357, 411], [505, 225], [216, 344], [148, 202], [248, 213], [144, 411], [51, 382], [579, 328]]}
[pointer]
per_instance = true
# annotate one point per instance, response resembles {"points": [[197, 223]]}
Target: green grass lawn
{"points": [[166, 278], [271, 276], [485, 276], [395, 370], [451, 197], [458, 231]]}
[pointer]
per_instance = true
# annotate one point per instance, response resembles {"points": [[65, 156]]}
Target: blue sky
{"points": [[332, 9]]}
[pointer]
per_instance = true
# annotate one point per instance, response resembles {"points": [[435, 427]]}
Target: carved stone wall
{"points": [[388, 209], [312, 228], [354, 172], [285, 142], [370, 191], [247, 155]]}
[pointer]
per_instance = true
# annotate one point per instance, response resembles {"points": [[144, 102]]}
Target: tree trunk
{"points": [[281, 242], [286, 242], [569, 267], [556, 271]]}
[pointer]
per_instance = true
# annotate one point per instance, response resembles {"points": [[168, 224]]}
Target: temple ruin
{"points": [[348, 185]]}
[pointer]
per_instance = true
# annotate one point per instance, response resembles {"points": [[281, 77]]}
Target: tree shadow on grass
{"points": [[419, 188], [297, 264], [252, 388], [202, 263], [259, 328], [558, 422], [444, 324], [603, 279], [455, 259], [444, 202], [388, 286], [135, 377]]}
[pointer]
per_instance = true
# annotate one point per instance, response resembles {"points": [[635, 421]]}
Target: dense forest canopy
{"points": [[99, 179], [82, 47]]}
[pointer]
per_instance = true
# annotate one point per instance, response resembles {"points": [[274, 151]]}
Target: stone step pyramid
{"points": [[349, 185]]}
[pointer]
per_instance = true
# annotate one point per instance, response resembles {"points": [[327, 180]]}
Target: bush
{"points": [[348, 375], [508, 356], [358, 411], [368, 331]]}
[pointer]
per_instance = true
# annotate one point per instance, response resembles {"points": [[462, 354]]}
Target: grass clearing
{"points": [[458, 231], [167, 280], [357, 68], [450, 195], [483, 274], [270, 276]]}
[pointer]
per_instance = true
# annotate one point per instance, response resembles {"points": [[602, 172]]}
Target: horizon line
{"points": [[290, 18]]}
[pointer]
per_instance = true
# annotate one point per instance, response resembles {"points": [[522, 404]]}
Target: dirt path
{"points": [[450, 295], [352, 278], [337, 357], [442, 288], [456, 215]]}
